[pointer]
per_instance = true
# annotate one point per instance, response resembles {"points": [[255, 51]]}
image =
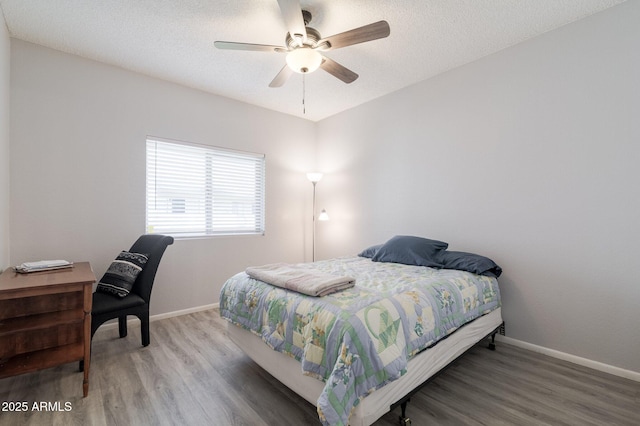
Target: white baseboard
{"points": [[184, 312], [606, 368], [133, 321]]}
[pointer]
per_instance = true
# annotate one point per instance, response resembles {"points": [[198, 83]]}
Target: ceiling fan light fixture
{"points": [[304, 60]]}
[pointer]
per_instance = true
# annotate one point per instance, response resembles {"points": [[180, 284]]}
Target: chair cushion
{"points": [[122, 273], [105, 302]]}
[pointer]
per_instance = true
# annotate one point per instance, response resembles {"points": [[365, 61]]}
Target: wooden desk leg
{"points": [[88, 299]]}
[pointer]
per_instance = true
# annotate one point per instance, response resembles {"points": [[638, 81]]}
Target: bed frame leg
{"points": [[500, 329], [404, 420], [492, 344]]}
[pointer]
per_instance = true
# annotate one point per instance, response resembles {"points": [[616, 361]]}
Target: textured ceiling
{"points": [[173, 40]]}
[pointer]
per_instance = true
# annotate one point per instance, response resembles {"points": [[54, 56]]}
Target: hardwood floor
{"points": [[192, 375]]}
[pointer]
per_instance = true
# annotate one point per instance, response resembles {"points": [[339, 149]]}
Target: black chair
{"points": [[107, 306]]}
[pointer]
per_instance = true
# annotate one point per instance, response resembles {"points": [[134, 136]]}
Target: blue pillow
{"points": [[411, 251], [370, 251], [470, 262]]}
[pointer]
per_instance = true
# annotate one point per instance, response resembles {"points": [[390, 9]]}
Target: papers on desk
{"points": [[42, 265]]}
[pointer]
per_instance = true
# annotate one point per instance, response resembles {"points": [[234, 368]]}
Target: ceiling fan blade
{"points": [[337, 70], [248, 46], [282, 77], [292, 15], [369, 32]]}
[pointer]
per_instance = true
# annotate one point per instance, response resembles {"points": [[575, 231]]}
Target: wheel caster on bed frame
{"points": [[404, 420]]}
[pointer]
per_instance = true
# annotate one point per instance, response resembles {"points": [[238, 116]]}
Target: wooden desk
{"points": [[45, 320]]}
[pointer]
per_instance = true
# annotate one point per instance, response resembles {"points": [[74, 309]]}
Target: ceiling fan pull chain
{"points": [[304, 107]]}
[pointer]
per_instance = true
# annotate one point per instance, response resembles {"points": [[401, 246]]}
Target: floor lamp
{"points": [[315, 178]]}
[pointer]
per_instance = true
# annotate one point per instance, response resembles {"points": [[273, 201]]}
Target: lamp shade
{"points": [[304, 60], [323, 215], [314, 176]]}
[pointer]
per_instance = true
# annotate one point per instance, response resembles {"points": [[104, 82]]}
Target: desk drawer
{"points": [[12, 344], [21, 307]]}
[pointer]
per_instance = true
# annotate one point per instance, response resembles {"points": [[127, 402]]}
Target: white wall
{"points": [[78, 131], [530, 156], [5, 57]]}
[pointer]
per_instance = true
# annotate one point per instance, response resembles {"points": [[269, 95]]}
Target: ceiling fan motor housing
{"points": [[313, 36]]}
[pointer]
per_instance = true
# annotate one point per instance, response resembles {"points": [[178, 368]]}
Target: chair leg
{"points": [[122, 326], [144, 329]]}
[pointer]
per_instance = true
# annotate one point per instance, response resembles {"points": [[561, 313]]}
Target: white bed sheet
{"points": [[289, 371]]}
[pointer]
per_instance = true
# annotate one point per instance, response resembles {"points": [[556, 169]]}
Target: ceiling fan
{"points": [[304, 44]]}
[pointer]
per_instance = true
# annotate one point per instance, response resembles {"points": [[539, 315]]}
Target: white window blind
{"points": [[195, 190]]}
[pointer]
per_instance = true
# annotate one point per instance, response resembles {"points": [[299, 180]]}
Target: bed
{"points": [[357, 352]]}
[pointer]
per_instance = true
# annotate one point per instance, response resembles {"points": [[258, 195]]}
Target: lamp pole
{"points": [[314, 178], [313, 248]]}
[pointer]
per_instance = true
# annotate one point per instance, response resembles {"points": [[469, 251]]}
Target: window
{"points": [[195, 190]]}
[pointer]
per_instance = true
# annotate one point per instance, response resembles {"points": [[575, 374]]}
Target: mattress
{"points": [[421, 367], [358, 340]]}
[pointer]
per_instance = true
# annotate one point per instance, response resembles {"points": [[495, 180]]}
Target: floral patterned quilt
{"points": [[359, 339]]}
